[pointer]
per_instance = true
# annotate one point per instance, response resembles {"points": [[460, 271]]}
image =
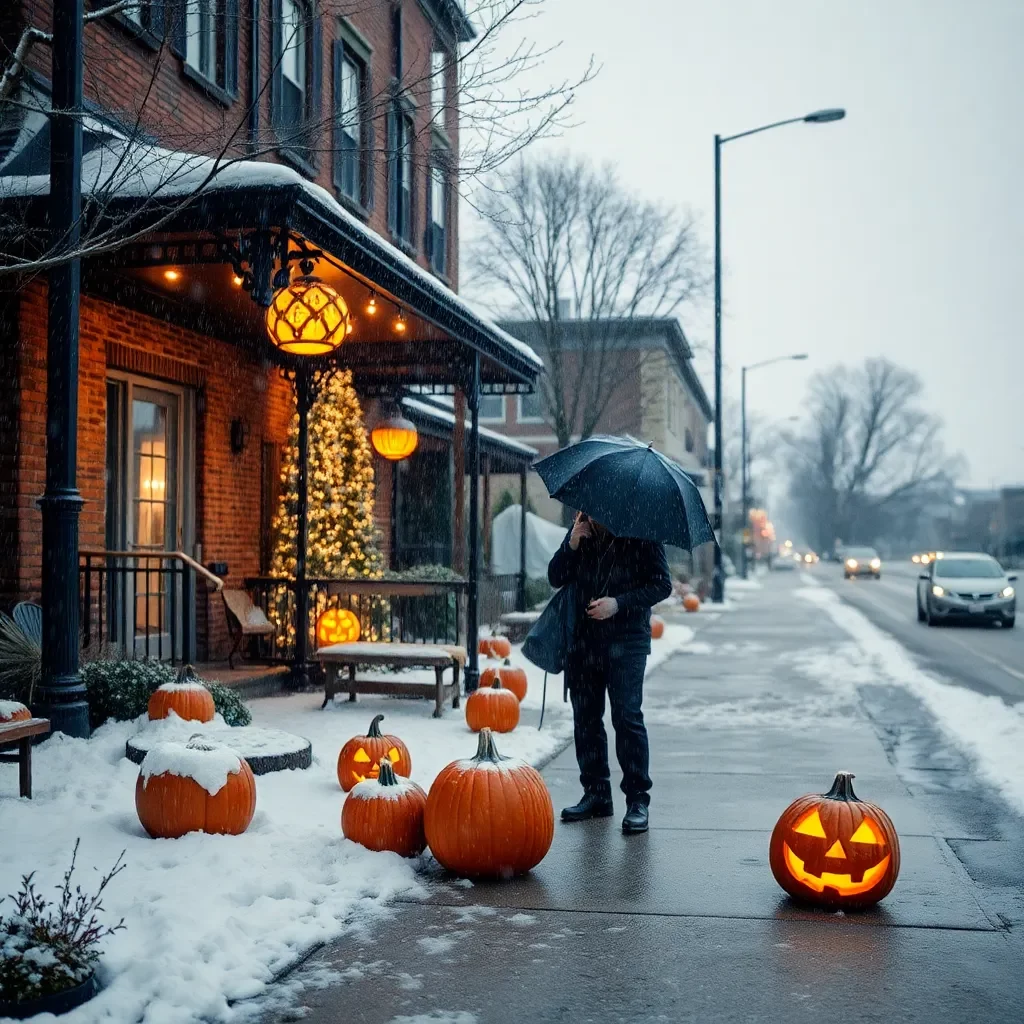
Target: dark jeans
{"points": [[590, 673]]}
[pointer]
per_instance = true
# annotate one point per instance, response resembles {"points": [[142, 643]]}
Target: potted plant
{"points": [[49, 950]]}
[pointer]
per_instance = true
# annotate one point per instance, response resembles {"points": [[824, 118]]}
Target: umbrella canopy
{"points": [[630, 488]]}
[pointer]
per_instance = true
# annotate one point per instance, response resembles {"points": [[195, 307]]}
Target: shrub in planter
{"points": [[50, 950]]}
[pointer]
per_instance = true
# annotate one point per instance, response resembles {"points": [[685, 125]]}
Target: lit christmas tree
{"points": [[341, 532]]}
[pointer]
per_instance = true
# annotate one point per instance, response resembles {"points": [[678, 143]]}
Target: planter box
{"points": [[59, 1002]]}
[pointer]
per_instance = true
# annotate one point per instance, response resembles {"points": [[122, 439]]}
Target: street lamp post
{"points": [[744, 474], [817, 117]]}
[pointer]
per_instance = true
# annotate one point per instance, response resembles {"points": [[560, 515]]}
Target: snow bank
{"points": [[985, 727]]}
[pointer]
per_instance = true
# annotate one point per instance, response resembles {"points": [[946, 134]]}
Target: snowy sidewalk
{"points": [[775, 695]]}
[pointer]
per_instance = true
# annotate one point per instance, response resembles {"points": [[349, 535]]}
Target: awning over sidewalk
{"points": [[206, 218]]}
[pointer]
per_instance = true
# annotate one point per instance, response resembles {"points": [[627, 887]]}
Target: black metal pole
{"points": [[718, 578], [523, 502], [473, 596], [743, 469], [304, 395], [60, 696]]}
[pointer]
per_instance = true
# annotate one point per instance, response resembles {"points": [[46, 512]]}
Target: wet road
{"points": [[989, 660]]}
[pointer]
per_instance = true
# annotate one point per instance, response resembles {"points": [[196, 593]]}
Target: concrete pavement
{"points": [[687, 923]]}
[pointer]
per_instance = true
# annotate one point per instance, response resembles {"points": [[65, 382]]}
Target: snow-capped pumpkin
{"points": [[495, 647], [492, 707], [386, 813], [13, 711], [512, 678], [197, 786], [489, 816], [657, 627], [362, 756], [833, 850], [691, 602], [187, 698]]}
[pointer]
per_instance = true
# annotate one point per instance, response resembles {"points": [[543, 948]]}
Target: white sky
{"points": [[896, 232]]}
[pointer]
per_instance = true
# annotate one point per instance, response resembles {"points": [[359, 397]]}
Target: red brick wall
{"points": [[124, 75]]}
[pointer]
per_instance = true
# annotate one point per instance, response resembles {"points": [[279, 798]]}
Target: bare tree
{"points": [[168, 164], [869, 456], [560, 229]]}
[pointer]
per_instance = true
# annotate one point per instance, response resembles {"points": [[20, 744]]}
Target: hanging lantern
{"points": [[395, 438], [307, 317]]}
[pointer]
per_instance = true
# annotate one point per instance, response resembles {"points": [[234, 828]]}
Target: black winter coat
{"points": [[634, 572]]}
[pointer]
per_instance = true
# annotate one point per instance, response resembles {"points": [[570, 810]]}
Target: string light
{"points": [[371, 306], [172, 275], [400, 323]]}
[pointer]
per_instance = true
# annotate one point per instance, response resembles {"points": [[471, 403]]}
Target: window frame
{"points": [[492, 419], [439, 89], [223, 85], [437, 250], [402, 159], [521, 417], [293, 142]]}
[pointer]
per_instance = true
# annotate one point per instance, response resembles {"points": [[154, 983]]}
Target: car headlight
{"points": [[1008, 592], [876, 563], [938, 591], [851, 563], [916, 559]]}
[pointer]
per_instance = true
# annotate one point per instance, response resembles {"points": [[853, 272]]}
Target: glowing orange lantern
{"points": [[337, 626], [395, 438], [307, 318]]}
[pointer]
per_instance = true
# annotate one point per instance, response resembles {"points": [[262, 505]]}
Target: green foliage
{"points": [[20, 659], [121, 690], [506, 499], [50, 946], [537, 591], [424, 574]]}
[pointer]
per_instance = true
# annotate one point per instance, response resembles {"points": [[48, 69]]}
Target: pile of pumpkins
{"points": [[494, 704], [486, 816]]}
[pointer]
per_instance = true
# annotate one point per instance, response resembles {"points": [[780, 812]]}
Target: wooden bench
{"points": [[21, 732], [245, 619], [336, 657]]}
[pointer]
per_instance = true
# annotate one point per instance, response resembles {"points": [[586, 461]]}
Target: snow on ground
{"points": [[985, 727], [211, 920]]}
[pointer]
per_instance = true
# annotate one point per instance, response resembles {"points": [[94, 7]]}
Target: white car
{"points": [[966, 585]]}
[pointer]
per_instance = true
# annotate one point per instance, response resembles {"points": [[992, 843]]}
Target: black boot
{"points": [[590, 806], [635, 819]]}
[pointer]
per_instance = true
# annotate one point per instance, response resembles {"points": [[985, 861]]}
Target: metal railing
{"points": [[408, 611], [141, 604], [498, 595]]}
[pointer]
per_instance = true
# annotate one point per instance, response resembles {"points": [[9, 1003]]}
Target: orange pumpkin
{"points": [[495, 647], [835, 851], [187, 698], [386, 813], [194, 787], [337, 626], [489, 816], [691, 602], [362, 756], [492, 707], [657, 627], [512, 678], [13, 711]]}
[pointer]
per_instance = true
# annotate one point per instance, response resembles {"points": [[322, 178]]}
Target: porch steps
{"points": [[249, 681]]}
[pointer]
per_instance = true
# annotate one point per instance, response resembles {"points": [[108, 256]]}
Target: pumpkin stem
{"points": [[496, 683], [508, 662], [486, 750], [187, 674], [386, 775], [374, 731], [197, 741], [842, 788]]}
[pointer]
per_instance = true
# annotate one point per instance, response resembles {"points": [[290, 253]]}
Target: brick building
{"points": [[225, 143]]}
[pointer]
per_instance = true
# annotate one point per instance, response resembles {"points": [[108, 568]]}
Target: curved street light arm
{"points": [[776, 359], [765, 127]]}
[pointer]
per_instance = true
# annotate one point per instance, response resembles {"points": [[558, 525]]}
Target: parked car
{"points": [[966, 585], [862, 562]]}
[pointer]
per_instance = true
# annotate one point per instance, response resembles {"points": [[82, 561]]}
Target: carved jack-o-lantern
{"points": [[337, 626], [361, 757], [834, 850]]}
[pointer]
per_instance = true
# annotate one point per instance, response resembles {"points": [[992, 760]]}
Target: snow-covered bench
{"points": [[336, 657], [21, 731]]}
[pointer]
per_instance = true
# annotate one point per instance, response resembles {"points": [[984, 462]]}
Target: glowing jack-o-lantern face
{"points": [[834, 850], [361, 757], [337, 626]]}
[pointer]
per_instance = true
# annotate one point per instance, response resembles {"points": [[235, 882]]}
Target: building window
{"points": [[437, 226], [438, 69], [492, 408], [350, 85], [205, 37], [401, 131], [530, 409], [293, 62], [689, 439], [202, 27], [295, 86], [141, 15]]}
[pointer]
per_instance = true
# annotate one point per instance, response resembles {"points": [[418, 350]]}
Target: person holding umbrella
{"points": [[633, 500], [617, 580]]}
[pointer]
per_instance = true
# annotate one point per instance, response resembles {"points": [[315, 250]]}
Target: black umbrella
{"points": [[630, 488]]}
